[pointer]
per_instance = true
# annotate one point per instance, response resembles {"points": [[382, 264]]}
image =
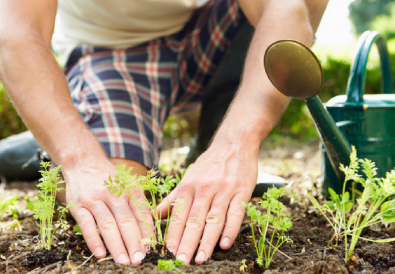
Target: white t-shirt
{"points": [[117, 23]]}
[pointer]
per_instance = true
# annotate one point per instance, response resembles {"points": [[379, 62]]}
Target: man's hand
{"points": [[120, 224], [213, 190], [225, 175]]}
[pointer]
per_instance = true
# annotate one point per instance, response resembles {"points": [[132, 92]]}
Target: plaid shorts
{"points": [[125, 95]]}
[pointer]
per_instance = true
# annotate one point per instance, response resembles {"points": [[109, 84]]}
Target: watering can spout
{"points": [[296, 72]]}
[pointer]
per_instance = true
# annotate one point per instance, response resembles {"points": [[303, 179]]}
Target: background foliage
{"points": [[363, 12], [10, 122], [296, 122]]}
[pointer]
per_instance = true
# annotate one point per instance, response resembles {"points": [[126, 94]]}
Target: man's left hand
{"points": [[212, 189]]}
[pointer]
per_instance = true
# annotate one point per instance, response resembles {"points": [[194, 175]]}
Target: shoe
{"points": [[266, 181], [19, 159]]}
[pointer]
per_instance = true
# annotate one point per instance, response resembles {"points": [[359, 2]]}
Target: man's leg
{"points": [[220, 91], [19, 157]]}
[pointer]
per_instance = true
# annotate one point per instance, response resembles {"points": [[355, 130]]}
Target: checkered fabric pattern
{"points": [[125, 95]]}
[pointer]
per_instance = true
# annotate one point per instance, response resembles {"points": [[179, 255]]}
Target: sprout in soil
{"points": [[275, 217], [170, 265], [376, 192], [157, 187], [43, 208]]}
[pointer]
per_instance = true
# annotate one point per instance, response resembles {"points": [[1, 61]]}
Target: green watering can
{"points": [[365, 121]]}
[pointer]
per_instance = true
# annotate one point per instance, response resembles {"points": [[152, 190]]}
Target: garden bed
{"points": [[309, 252]]}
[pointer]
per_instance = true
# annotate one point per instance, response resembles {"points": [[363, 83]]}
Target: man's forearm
{"points": [[38, 88], [258, 105]]}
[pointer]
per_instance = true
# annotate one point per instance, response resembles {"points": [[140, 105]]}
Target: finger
{"points": [[215, 221], [87, 224], [110, 233], [178, 219], [234, 220], [164, 207], [194, 227], [143, 217], [130, 231]]}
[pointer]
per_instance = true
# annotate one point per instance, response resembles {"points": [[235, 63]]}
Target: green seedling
{"points": [[8, 205], [44, 207], [77, 230], [170, 265], [366, 213], [157, 188], [275, 217]]}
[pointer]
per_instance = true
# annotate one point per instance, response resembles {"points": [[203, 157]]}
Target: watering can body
{"points": [[367, 121]]}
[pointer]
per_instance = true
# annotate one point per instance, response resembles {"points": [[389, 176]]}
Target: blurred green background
{"points": [[296, 122]]}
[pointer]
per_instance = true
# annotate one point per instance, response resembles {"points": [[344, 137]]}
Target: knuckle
{"points": [[127, 221], [203, 187], [229, 182], [177, 219], [185, 190], [85, 223], [145, 216], [213, 218], [107, 223], [236, 213], [193, 222]]}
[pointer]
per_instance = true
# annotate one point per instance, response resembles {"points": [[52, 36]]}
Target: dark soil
{"points": [[160, 253], [309, 252]]}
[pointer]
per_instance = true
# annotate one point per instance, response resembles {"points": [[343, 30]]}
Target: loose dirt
{"points": [[310, 251]]}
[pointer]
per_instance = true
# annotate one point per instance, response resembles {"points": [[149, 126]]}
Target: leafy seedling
{"points": [[170, 265], [8, 205], [376, 192], [77, 230], [44, 206], [275, 217], [157, 188]]}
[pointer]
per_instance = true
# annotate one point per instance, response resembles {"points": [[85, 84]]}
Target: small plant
{"points": [[8, 205], [44, 207], [157, 187], [275, 217], [170, 265], [376, 192]]}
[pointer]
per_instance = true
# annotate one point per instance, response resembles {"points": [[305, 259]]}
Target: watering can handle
{"points": [[356, 81]]}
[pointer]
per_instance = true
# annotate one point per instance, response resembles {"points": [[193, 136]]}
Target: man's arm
{"points": [[38, 88], [225, 175]]}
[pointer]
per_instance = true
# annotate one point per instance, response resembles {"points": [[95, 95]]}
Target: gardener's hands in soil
{"points": [[117, 218], [213, 190]]}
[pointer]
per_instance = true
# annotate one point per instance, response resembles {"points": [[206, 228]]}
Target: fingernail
{"points": [[138, 257], [99, 251], [201, 256], [182, 257], [226, 242], [123, 259]]}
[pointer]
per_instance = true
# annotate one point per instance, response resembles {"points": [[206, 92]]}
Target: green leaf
{"points": [[334, 196], [378, 240], [330, 205], [314, 202], [347, 206], [77, 230], [388, 212], [345, 197]]}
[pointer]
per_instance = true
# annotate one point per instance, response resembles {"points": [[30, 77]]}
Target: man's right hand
{"points": [[39, 91], [120, 224]]}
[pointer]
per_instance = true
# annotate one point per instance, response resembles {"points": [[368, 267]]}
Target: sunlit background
{"points": [[335, 44], [335, 30]]}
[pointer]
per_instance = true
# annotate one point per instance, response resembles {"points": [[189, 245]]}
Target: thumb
{"points": [[165, 206]]}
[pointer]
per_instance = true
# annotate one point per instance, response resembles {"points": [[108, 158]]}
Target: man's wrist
{"points": [[84, 151], [246, 135]]}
